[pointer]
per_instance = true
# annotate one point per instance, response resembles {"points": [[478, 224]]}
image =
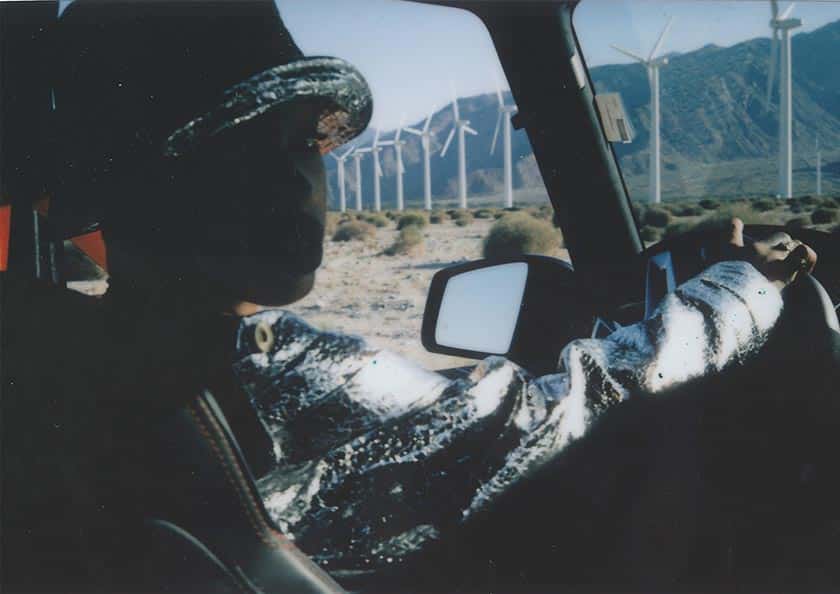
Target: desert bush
{"points": [[416, 219], [796, 208], [829, 203], [656, 217], [520, 233], [649, 233], [462, 218], [409, 241], [437, 217], [499, 214], [392, 215], [798, 222], [709, 204], [354, 230], [484, 213], [686, 210], [376, 219], [764, 204], [822, 216], [810, 200]]}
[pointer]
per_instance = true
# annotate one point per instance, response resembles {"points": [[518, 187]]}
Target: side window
{"points": [[439, 166]]}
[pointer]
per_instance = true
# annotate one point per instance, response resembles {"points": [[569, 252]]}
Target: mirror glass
{"points": [[480, 308]]}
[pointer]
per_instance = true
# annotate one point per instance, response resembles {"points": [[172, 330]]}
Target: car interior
{"points": [[210, 452]]}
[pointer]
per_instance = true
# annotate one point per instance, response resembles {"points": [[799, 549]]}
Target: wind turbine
{"points": [[340, 168], [426, 142], [357, 158], [505, 113], [819, 168], [653, 64], [460, 126], [784, 24], [374, 149], [398, 144]]}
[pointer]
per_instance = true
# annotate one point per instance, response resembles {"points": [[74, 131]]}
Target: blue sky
{"points": [[409, 51]]}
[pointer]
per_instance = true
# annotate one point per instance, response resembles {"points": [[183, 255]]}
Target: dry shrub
{"points": [[354, 231], [437, 217], [462, 218], [520, 233], [408, 242], [650, 234], [686, 210], [764, 204], [824, 216], [484, 213], [798, 222], [718, 222], [376, 219], [709, 204], [656, 217], [416, 219]]}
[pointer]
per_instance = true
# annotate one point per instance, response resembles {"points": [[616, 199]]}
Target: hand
{"points": [[779, 257]]}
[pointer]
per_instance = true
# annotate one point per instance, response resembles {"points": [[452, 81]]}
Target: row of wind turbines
{"points": [[460, 128], [780, 59]]}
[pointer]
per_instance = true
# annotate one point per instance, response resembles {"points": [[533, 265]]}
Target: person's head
{"points": [[194, 131]]}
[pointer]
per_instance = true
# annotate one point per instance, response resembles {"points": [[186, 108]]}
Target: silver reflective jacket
{"points": [[377, 458]]}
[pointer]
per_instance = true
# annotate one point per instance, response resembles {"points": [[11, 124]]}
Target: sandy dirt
{"points": [[361, 291]]}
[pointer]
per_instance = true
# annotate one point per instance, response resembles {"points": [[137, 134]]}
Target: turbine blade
{"points": [[629, 54], [774, 53], [454, 100], [786, 13], [499, 95], [448, 141], [470, 131], [347, 154], [413, 131], [400, 164], [376, 137], [496, 132], [661, 39], [428, 122], [774, 9]]}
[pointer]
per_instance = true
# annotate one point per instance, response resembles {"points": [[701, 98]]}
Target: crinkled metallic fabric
{"points": [[378, 458], [344, 91]]}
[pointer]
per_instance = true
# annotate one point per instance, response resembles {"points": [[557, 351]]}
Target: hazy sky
{"points": [[409, 51]]}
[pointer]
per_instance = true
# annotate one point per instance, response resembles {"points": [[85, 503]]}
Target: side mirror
{"points": [[525, 308]]}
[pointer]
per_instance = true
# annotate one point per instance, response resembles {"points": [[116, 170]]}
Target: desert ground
{"points": [[360, 290]]}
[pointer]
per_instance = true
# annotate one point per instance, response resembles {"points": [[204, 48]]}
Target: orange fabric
{"points": [[5, 223], [93, 245]]}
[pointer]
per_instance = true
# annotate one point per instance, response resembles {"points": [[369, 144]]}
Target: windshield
{"points": [[734, 108]]}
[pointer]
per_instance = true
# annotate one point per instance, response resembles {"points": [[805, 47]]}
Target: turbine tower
{"points": [[652, 63], [398, 144], [460, 126], [357, 158], [505, 113], [819, 168], [374, 149], [782, 23], [426, 142], [340, 169]]}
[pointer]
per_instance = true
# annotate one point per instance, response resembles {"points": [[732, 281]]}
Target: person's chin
{"points": [[281, 291]]}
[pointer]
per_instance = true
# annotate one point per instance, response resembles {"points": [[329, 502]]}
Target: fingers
{"points": [[736, 232]]}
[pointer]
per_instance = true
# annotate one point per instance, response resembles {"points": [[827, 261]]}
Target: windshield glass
{"points": [[732, 140]]}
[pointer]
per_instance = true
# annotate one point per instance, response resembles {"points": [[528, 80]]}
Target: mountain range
{"points": [[719, 133]]}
